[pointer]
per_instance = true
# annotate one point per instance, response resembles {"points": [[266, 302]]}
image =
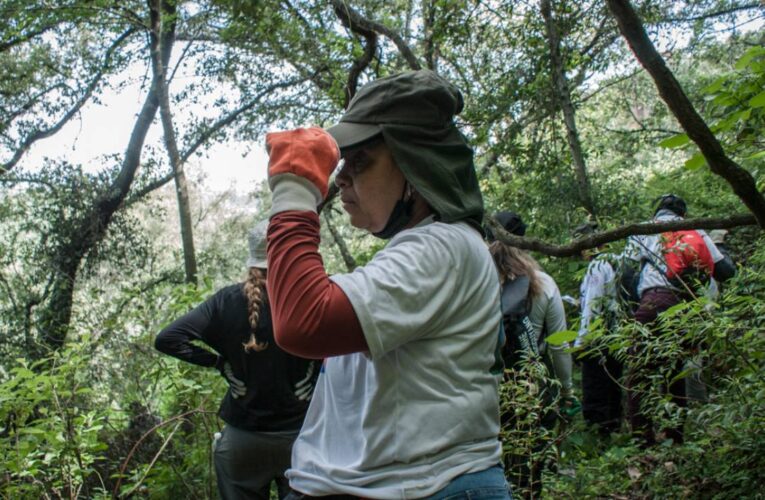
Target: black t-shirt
{"points": [[279, 384]]}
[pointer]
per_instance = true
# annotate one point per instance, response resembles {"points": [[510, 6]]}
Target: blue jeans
{"points": [[489, 484]]}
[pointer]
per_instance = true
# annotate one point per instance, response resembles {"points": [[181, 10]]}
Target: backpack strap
{"points": [[515, 296], [515, 303]]}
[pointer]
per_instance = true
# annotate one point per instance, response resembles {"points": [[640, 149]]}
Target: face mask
{"points": [[400, 216]]}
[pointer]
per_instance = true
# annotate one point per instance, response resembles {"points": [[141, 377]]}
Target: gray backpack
{"points": [[521, 341]]}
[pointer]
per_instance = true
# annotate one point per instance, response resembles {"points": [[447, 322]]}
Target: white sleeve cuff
{"points": [[292, 192]]}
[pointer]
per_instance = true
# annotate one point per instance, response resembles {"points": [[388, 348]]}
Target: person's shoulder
{"points": [[453, 237], [229, 293], [236, 288], [437, 228], [548, 283]]}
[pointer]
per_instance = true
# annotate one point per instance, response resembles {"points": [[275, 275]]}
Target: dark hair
{"points": [[672, 203], [510, 222]]}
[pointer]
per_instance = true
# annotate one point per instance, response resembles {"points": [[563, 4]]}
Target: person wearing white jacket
{"points": [[601, 391]]}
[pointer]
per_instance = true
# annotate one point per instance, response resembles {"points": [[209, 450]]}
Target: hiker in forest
{"points": [[269, 389], [695, 386], [601, 372], [406, 405], [670, 265], [530, 298]]}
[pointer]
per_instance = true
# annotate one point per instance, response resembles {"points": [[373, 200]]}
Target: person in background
{"points": [[601, 372], [695, 386], [546, 314], [269, 389], [407, 404], [657, 293]]}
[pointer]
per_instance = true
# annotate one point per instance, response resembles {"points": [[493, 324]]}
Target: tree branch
{"points": [[577, 246], [359, 21], [672, 93], [26, 37], [363, 61], [42, 134], [563, 98], [717, 13], [30, 104], [213, 129]]}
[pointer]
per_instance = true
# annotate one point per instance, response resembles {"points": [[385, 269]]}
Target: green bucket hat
{"points": [[414, 113]]}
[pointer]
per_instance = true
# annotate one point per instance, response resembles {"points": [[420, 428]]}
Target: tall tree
{"points": [[163, 29], [563, 98], [90, 227]]}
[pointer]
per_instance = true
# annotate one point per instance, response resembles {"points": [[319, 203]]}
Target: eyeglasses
{"points": [[354, 162]]}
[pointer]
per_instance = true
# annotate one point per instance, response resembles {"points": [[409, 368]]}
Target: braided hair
{"points": [[254, 290]]}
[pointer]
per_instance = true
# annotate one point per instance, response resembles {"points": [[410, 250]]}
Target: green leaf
{"points": [[758, 101], [748, 56], [714, 86], [31, 430], [756, 156], [695, 162], [560, 338], [675, 141]]}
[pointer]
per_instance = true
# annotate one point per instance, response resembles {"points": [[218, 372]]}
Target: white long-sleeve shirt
{"points": [[598, 292]]}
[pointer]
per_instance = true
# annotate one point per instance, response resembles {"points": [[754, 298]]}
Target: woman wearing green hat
{"points": [[406, 405]]}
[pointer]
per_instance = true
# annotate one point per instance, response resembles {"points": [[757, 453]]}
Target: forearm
{"points": [[312, 317], [562, 364], [173, 341]]}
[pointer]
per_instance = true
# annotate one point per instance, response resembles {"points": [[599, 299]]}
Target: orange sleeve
{"points": [[312, 316]]}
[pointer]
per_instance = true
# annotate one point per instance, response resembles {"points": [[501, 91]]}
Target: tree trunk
{"points": [[428, 46], [563, 96], [53, 322], [350, 262], [672, 93], [166, 35]]}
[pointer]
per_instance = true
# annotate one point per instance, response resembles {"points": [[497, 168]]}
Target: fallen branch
{"points": [[593, 241]]}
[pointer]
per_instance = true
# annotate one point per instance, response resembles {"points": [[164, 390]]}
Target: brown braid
{"points": [[253, 290]]}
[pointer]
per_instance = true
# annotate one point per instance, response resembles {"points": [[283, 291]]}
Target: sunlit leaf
{"points": [[560, 338], [758, 101], [750, 54], [695, 162], [675, 141]]}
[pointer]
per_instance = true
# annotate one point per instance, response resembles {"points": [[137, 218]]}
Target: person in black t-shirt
{"points": [[269, 389]]}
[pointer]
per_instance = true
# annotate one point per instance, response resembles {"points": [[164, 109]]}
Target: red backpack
{"points": [[686, 254]]}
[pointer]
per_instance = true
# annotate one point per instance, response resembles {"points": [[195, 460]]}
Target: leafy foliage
{"points": [[721, 456]]}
